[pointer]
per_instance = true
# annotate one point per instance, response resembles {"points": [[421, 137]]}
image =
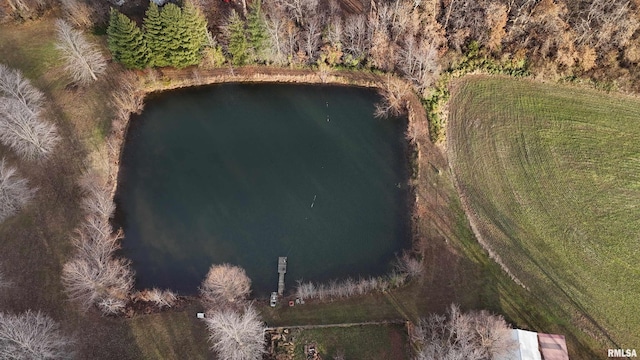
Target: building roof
{"points": [[553, 347], [534, 346]]}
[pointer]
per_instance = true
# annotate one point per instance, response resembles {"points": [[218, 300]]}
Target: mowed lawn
{"points": [[371, 342], [551, 176]]}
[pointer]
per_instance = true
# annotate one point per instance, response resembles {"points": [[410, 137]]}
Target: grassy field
{"points": [[551, 177], [372, 342]]}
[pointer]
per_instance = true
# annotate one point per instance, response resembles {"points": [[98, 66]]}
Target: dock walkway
{"points": [[282, 269]]}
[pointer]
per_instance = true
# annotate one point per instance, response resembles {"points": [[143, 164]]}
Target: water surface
{"points": [[244, 173]]}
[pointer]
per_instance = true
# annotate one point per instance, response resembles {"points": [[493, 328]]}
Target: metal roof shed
{"points": [[553, 347], [527, 348]]}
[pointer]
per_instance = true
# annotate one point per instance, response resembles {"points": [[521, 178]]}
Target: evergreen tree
{"points": [[172, 35], [196, 34], [153, 35], [175, 36], [126, 41], [238, 44], [257, 30]]}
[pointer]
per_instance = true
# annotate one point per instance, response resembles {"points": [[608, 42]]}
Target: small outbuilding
{"points": [[553, 347], [536, 346]]}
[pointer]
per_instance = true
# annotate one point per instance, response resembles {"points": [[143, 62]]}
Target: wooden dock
{"points": [[282, 269]]}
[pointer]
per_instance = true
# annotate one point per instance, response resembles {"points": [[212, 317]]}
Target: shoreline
{"points": [[155, 81]]}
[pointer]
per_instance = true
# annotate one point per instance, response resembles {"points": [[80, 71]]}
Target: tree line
{"points": [[412, 37]]}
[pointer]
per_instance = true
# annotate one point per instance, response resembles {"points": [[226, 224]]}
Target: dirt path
{"points": [[342, 325]]}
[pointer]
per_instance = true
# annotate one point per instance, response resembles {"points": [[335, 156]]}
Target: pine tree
{"points": [[195, 36], [173, 35], [257, 30], [238, 44], [153, 35], [126, 42]]}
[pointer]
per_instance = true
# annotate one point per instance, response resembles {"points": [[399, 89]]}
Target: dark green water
{"points": [[229, 173]]}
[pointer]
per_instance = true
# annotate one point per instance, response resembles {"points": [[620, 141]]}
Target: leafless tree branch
{"points": [[15, 192], [476, 335], [14, 86], [236, 336], [32, 335], [94, 277], [21, 126], [83, 60], [225, 284]]}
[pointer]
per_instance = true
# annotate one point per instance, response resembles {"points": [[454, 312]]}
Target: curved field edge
{"points": [[550, 177]]}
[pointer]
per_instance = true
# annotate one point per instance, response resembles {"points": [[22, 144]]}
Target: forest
{"points": [[419, 39]]}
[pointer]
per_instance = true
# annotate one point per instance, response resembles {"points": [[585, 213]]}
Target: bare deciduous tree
{"points": [[334, 31], [394, 98], [496, 22], [83, 60], [23, 9], [32, 335], [111, 306], [94, 276], [15, 192], [276, 52], [128, 99], [24, 132], [356, 39], [78, 12], [236, 336], [161, 298], [104, 284], [477, 335], [299, 10], [604, 25], [14, 86], [311, 37], [409, 265], [419, 62], [541, 28], [225, 284], [21, 126]]}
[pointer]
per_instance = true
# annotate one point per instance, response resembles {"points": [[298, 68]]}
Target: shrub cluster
{"points": [[160, 298], [348, 287], [475, 60], [405, 267]]}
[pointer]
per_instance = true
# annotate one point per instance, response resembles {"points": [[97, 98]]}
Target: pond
{"points": [[245, 173]]}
